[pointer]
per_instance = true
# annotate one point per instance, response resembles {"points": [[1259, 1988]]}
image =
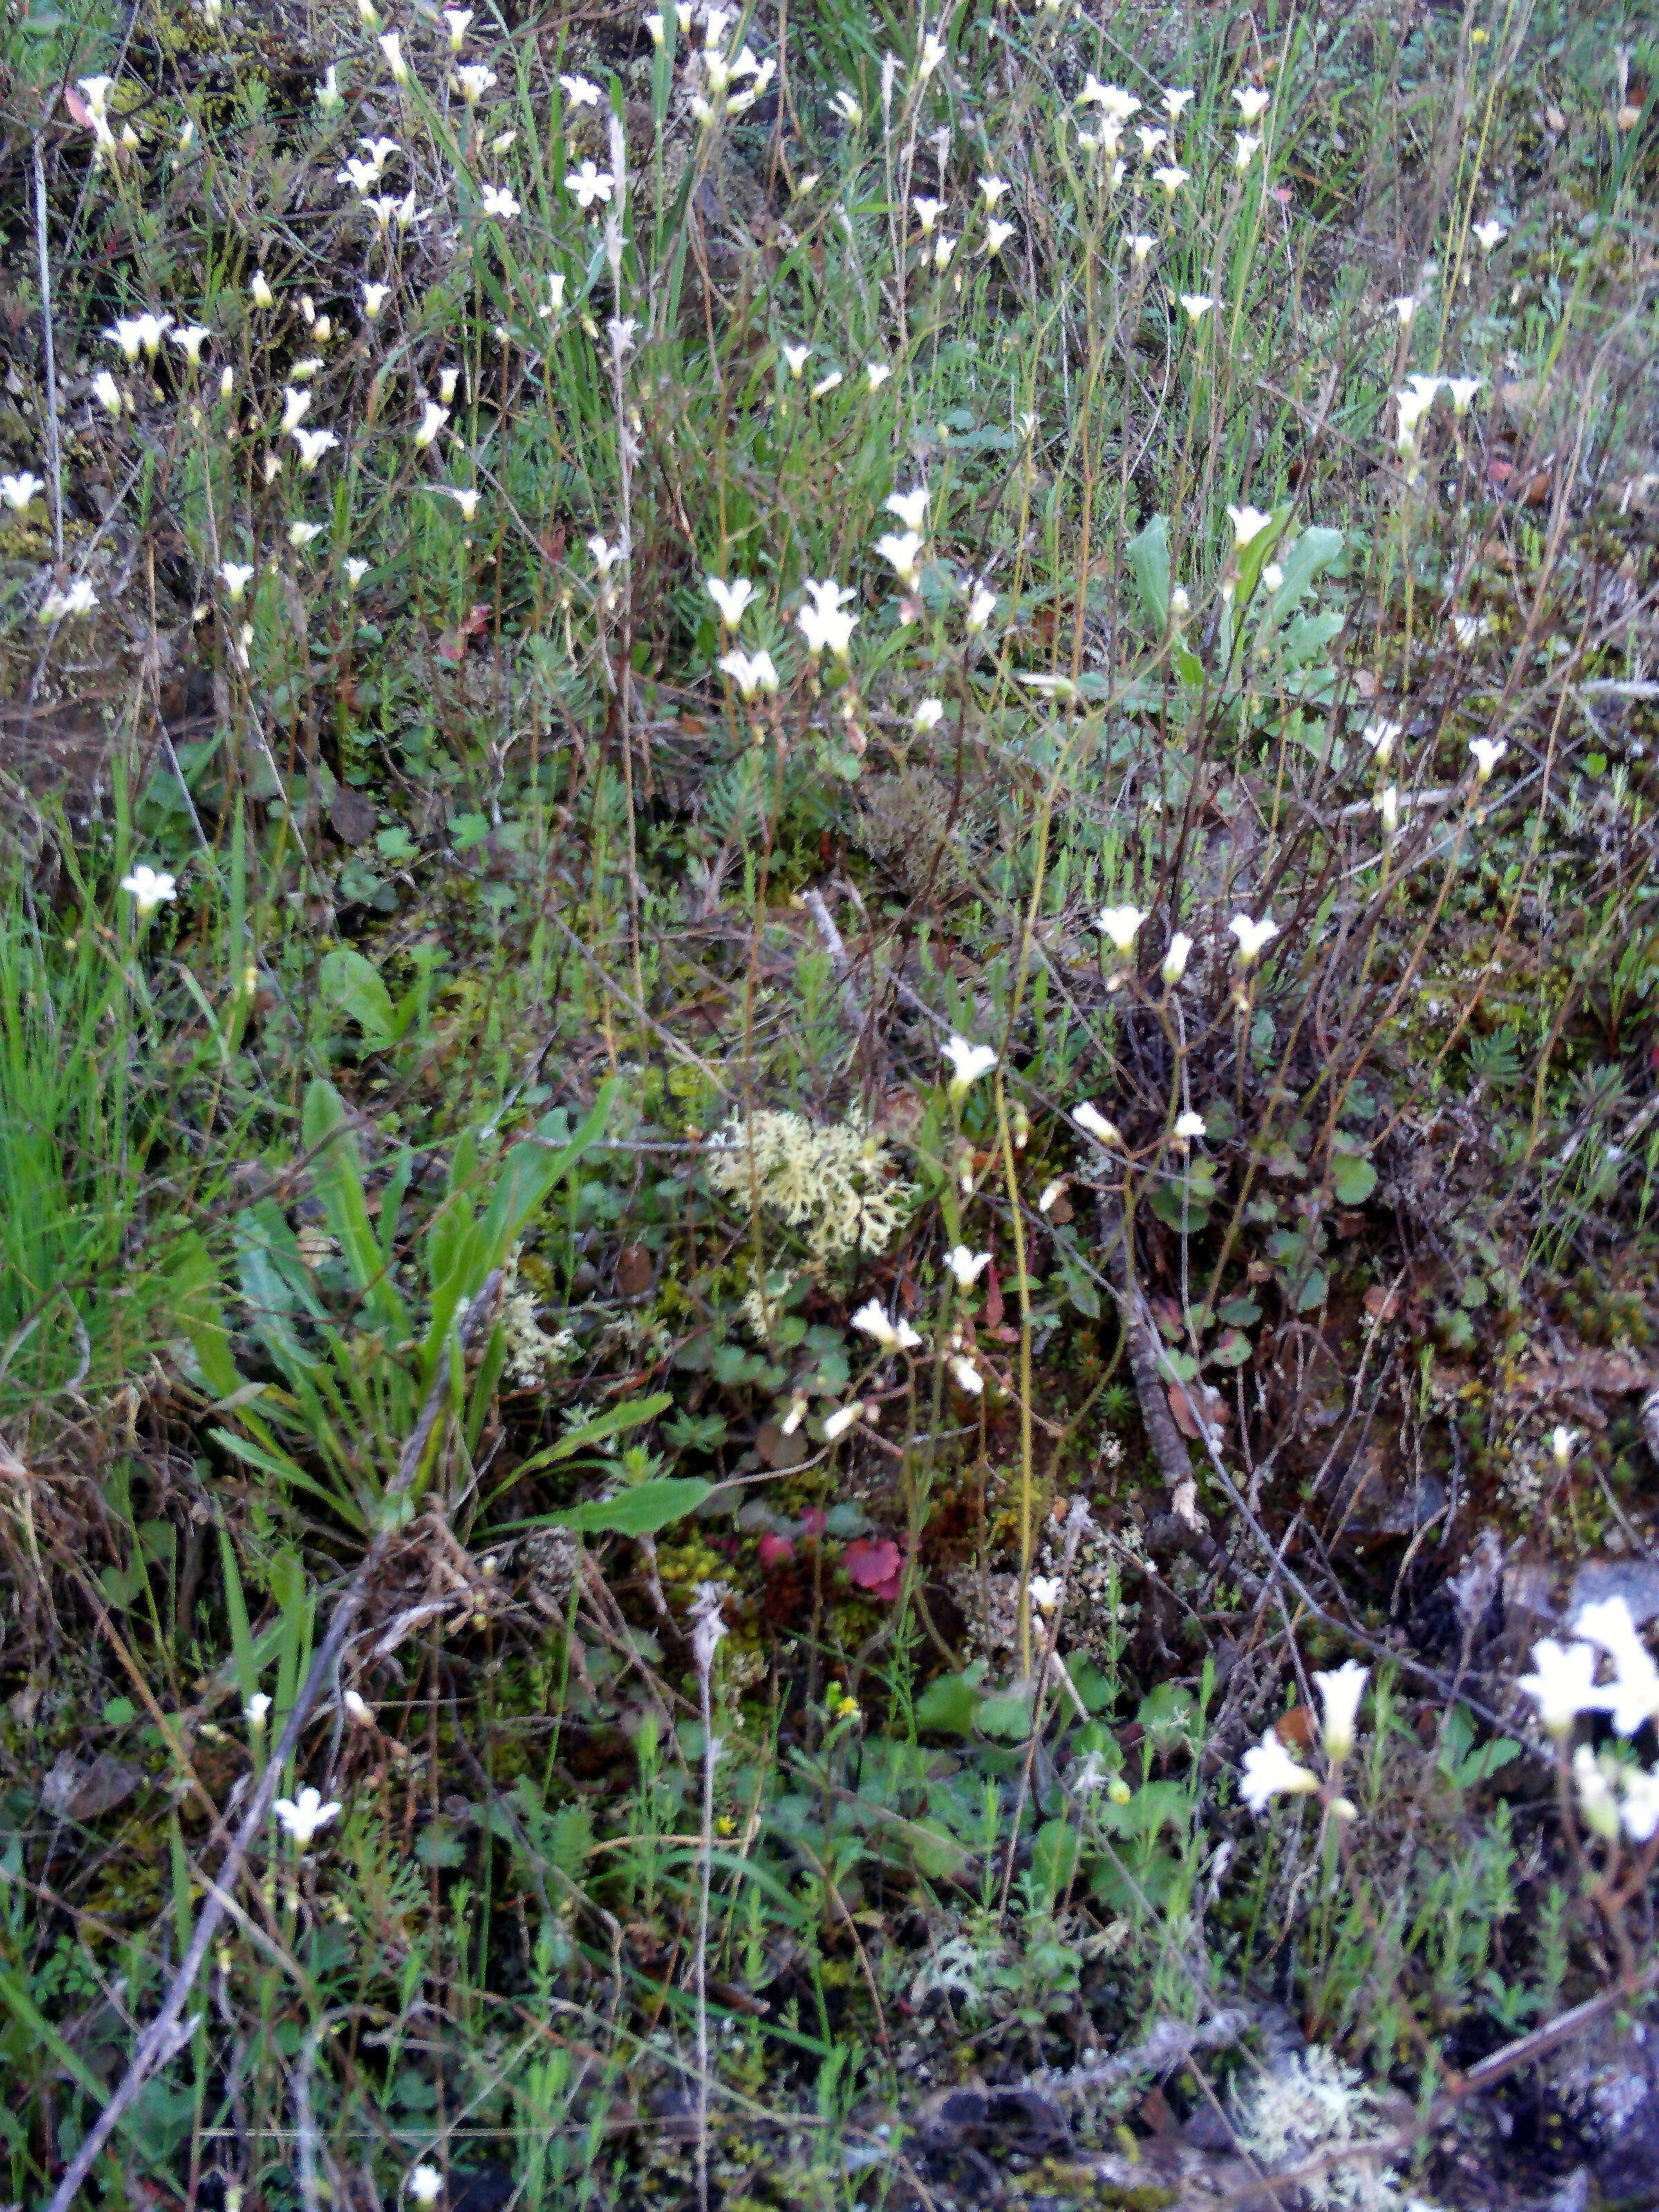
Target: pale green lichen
{"points": [[836, 1181]]}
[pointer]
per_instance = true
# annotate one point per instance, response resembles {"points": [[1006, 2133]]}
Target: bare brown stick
{"points": [[163, 2037]]}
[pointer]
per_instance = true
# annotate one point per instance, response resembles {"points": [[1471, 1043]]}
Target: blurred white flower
{"points": [[1248, 523], [1120, 924], [1467, 629], [107, 391], [431, 423], [1150, 139], [1462, 390], [1051, 1191], [824, 624], [981, 608], [653, 24], [605, 557], [190, 338], [1380, 735], [391, 46], [79, 599], [969, 1061], [1341, 1689], [496, 200], [425, 2184], [313, 445], [945, 247], [1639, 1811], [369, 14], [147, 889], [135, 332], [460, 21], [967, 1376], [877, 374], [447, 379], [581, 91], [1269, 1771], [796, 356], [1388, 806], [1252, 101], [357, 1709], [1487, 751], [301, 534], [926, 212], [1093, 1123], [466, 498], [1109, 97], [1632, 1696], [1245, 150], [749, 674], [1197, 304], [967, 1266], [588, 185], [892, 1336], [1174, 102], [1562, 1441], [302, 1816], [356, 571], [1175, 960], [1172, 179], [1253, 936], [826, 384], [993, 188], [1045, 1591], [95, 91], [297, 405], [996, 235], [256, 1708], [260, 290], [848, 109], [237, 575], [374, 298], [1489, 232], [474, 80], [1188, 1127], [17, 491], [227, 382], [899, 551], [1598, 1806], [928, 714], [1141, 243], [910, 507], [837, 1423], [1563, 1685], [731, 599], [933, 53]]}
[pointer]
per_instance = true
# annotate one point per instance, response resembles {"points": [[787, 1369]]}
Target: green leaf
{"points": [[947, 1705], [638, 1512], [1053, 1855], [351, 985], [1352, 1179], [530, 1171], [1009, 1717], [628, 1415], [1149, 557], [935, 1850]]}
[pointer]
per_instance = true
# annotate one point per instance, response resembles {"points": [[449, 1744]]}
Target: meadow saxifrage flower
{"points": [[302, 1816], [1176, 959], [356, 570], [301, 534], [1188, 1128], [1248, 523], [1254, 937], [965, 1266], [1462, 390], [749, 672], [1487, 752], [1120, 924], [795, 359], [1197, 304], [899, 550], [17, 491], [475, 79], [824, 624], [928, 714], [1341, 1689], [496, 200], [1632, 1696], [1562, 1684], [981, 608], [79, 599], [871, 1320], [391, 46], [969, 1061], [465, 496], [431, 423], [844, 1417], [731, 599], [1093, 1123], [107, 392], [968, 1377], [460, 21], [1270, 1772], [996, 235], [147, 889], [1489, 234], [910, 507], [313, 445], [1252, 101], [297, 405], [1045, 1591], [579, 91], [587, 185]]}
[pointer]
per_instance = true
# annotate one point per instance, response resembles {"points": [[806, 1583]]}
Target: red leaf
{"points": [[813, 1519], [875, 1567], [775, 1550], [993, 1297], [477, 621]]}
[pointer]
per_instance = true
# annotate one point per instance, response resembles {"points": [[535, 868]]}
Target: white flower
{"points": [[303, 1815], [475, 80], [107, 391], [967, 1266], [237, 576], [970, 1062], [581, 91], [425, 2184], [892, 1337], [1120, 924], [655, 24], [17, 491], [145, 331], [981, 608], [1176, 959], [301, 534], [996, 235], [227, 382], [431, 423], [254, 1711], [392, 48], [1045, 1590], [749, 674], [910, 507], [356, 571], [933, 53], [1089, 1774], [303, 371], [1172, 178], [968, 1377], [466, 499], [993, 188], [260, 290], [1187, 1127], [369, 14], [928, 714], [191, 337], [447, 380], [79, 599], [147, 889], [313, 445], [1252, 101], [1633, 1695], [837, 1423], [499, 202], [362, 176], [900, 550], [460, 21], [1269, 1769], [96, 91], [1404, 308], [1093, 1123], [1272, 577], [606, 557], [875, 374], [1462, 390], [1487, 751], [1173, 103], [357, 1710], [374, 298], [1197, 304], [824, 625], [1051, 1191], [848, 109], [1380, 736], [1141, 243], [926, 212], [797, 1413], [1114, 101], [1252, 935], [1562, 1441], [1248, 523], [796, 356], [1467, 629], [1245, 149], [826, 384], [1564, 1685], [1597, 1805], [1341, 1689], [731, 599], [1180, 605], [587, 185], [1489, 232], [1640, 1810], [1388, 806], [297, 405], [1150, 139]]}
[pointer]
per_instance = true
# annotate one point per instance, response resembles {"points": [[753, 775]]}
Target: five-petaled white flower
{"points": [[431, 423], [374, 298], [970, 1062], [581, 91], [1564, 1684], [1380, 735], [1197, 304], [1175, 960], [825, 624], [1141, 243], [17, 491], [910, 507], [875, 374], [1252, 936], [313, 445], [107, 391], [425, 2184], [1252, 101], [981, 608], [392, 48], [899, 550], [1172, 178], [1640, 1810], [496, 200], [588, 185], [928, 714], [838, 1422], [1269, 1770], [1462, 390], [475, 80], [796, 356], [79, 599], [1248, 523], [1487, 752], [1341, 1689], [967, 1266], [1188, 1127], [1632, 1696], [993, 188], [826, 384], [1045, 1591], [1150, 139], [996, 235], [303, 1815], [465, 498], [260, 289], [1120, 924], [1173, 103], [1489, 232], [256, 1708], [605, 557], [145, 331], [148, 890], [968, 1377], [460, 21], [1093, 1123], [1562, 1441], [297, 405], [891, 1336], [750, 673], [301, 534], [190, 338], [358, 1710], [731, 599], [933, 53]]}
